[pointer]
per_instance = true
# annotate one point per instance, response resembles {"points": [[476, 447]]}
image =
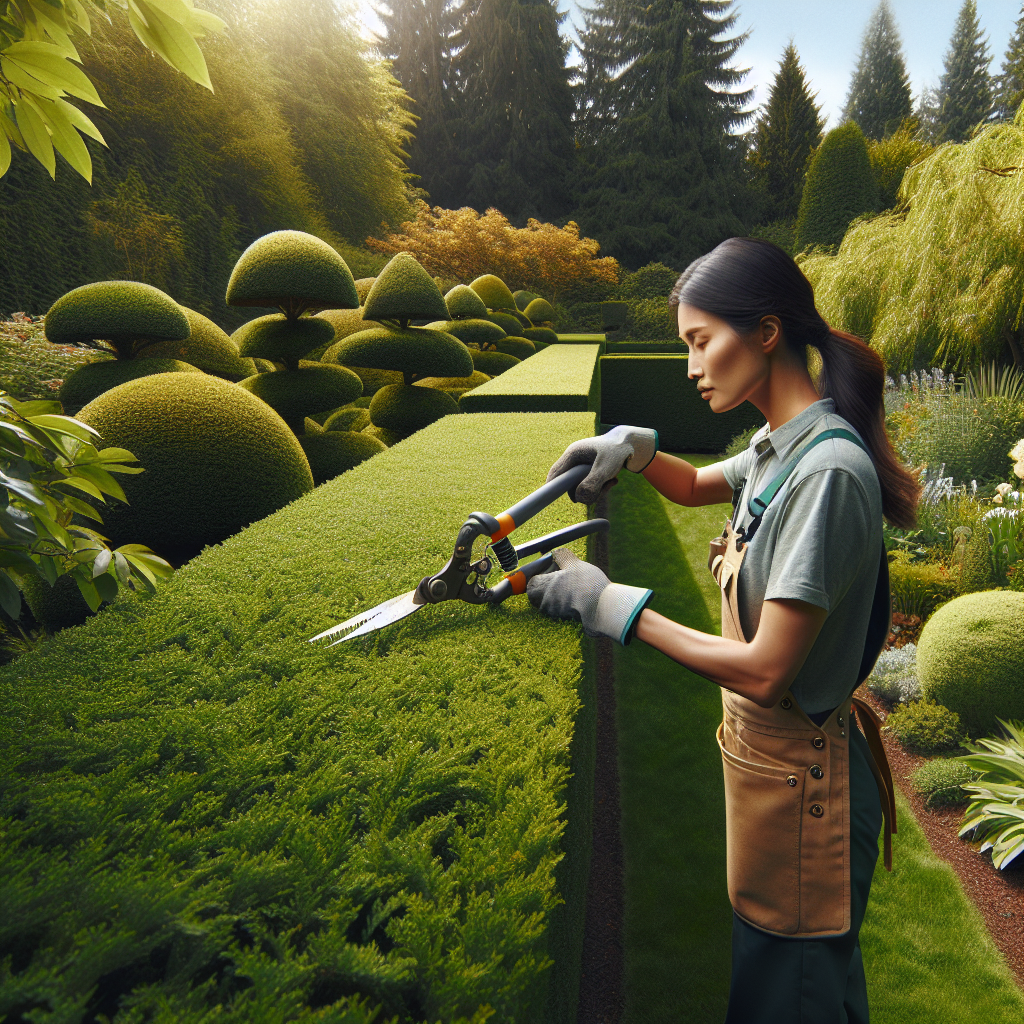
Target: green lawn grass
{"points": [[928, 955]]}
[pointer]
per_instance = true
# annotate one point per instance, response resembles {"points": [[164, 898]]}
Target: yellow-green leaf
{"points": [[67, 141], [5, 152], [83, 485], [26, 82], [36, 137], [80, 121], [44, 62], [175, 44], [67, 425]]}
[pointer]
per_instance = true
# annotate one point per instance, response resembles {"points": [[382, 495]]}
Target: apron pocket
{"points": [[763, 814]]}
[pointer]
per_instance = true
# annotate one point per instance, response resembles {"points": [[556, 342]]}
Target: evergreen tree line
{"points": [[306, 130]]}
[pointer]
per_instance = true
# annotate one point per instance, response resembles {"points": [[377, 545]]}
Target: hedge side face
{"points": [[559, 378], [654, 391], [205, 814]]}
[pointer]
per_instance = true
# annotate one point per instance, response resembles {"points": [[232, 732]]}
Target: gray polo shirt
{"points": [[818, 542]]}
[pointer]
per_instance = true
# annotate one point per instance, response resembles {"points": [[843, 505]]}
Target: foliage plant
{"points": [[995, 817], [939, 282], [894, 677], [924, 727], [919, 587], [47, 461], [39, 74], [394, 828], [965, 89], [1008, 85], [840, 186], [940, 781], [30, 366], [463, 244], [890, 157]]}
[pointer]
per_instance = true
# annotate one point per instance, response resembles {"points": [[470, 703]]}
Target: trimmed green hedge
{"points": [[654, 391], [646, 347], [207, 816], [559, 378]]}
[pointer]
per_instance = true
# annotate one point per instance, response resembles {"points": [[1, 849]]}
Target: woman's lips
{"points": [[705, 392]]}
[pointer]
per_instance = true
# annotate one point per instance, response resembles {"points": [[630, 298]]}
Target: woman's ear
{"points": [[771, 334]]}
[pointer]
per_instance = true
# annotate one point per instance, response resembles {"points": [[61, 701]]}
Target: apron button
{"points": [[816, 771], [840, 721], [785, 703], [817, 810], [818, 742], [792, 780]]}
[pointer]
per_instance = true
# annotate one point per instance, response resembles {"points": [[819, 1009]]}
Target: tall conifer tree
{"points": [[1009, 85], [879, 98], [965, 87], [517, 145], [788, 129], [662, 176]]}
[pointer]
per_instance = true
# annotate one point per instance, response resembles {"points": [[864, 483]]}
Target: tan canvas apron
{"points": [[787, 799]]}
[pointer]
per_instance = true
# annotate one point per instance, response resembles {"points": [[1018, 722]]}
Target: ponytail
{"points": [[744, 280]]}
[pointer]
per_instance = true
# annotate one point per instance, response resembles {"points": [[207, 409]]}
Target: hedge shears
{"points": [[464, 579]]}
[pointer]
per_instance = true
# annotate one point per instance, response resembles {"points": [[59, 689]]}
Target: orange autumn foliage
{"points": [[463, 244]]}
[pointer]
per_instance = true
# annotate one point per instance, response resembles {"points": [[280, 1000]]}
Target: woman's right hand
{"points": [[632, 448]]}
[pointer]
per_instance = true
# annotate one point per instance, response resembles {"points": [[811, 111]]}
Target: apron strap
{"points": [[872, 727]]}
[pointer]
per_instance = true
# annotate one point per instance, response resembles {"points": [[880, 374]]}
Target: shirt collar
{"points": [[785, 438]]}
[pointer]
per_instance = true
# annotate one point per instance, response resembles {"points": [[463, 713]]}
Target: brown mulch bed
{"points": [[999, 895]]}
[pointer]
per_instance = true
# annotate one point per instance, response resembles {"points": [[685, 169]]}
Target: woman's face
{"points": [[728, 367]]}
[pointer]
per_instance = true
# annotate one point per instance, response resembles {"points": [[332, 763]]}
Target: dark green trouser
{"points": [[813, 981]]}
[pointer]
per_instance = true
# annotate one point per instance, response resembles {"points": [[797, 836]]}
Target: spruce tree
{"points": [[661, 176], [1009, 84], [787, 131], [965, 88], [516, 142], [879, 98]]}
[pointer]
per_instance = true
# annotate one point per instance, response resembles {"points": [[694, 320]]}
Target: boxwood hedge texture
{"points": [[654, 391], [205, 814], [464, 303], [560, 378], [494, 292], [404, 291], [311, 387], [216, 458], [472, 331], [93, 379], [971, 659], [208, 347]]}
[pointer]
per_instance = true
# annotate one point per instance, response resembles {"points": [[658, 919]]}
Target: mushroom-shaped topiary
{"points": [[207, 347], [493, 363], [352, 417], [93, 379], [119, 316], [524, 298], [544, 334], [494, 292], [540, 311], [385, 436], [296, 272], [521, 348], [335, 452], [344, 322], [507, 322], [313, 386], [463, 303], [969, 659], [363, 286], [483, 333], [414, 351], [216, 458], [405, 408], [454, 386], [403, 292]]}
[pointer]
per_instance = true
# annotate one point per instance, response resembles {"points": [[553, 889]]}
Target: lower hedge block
{"points": [[655, 391], [560, 378]]}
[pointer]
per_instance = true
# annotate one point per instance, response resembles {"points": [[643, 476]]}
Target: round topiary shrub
{"points": [[507, 322], [88, 382], [314, 385], [414, 351], [335, 452], [404, 291], [464, 303], [215, 459], [277, 338], [524, 298], [493, 363], [540, 311], [971, 659], [455, 386], [385, 436], [470, 332], [352, 417], [939, 781], [344, 322], [363, 286], [494, 292], [521, 348], [544, 334], [405, 408], [925, 727], [207, 347]]}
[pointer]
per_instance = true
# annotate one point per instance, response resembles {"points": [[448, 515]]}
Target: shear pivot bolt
{"points": [[438, 589]]}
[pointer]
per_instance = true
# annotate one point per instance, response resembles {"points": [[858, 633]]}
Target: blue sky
{"points": [[828, 35]]}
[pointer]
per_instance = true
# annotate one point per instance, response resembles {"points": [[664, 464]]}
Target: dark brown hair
{"points": [[744, 280]]}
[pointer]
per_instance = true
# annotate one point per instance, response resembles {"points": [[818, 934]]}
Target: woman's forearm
{"points": [[672, 477]]}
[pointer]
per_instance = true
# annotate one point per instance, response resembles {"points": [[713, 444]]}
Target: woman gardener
{"points": [[805, 611]]}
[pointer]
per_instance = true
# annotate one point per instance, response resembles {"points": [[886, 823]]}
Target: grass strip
{"points": [[928, 956], [561, 378], [205, 815]]}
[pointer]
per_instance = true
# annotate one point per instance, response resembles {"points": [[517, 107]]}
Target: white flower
{"points": [[1004, 489], [1017, 451], [1018, 469]]}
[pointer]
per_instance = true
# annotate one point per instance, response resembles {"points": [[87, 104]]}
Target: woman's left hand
{"points": [[581, 591]]}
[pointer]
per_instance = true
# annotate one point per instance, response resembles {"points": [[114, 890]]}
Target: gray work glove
{"points": [[631, 447], [578, 590]]}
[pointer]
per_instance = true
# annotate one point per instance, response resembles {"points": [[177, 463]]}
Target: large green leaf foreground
{"points": [[203, 813]]}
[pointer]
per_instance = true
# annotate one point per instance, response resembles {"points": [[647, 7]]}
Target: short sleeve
{"points": [[821, 540], [738, 467]]}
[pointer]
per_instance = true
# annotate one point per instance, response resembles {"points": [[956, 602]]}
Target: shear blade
{"points": [[358, 620]]}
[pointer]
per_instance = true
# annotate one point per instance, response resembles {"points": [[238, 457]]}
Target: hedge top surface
{"points": [[414, 350], [463, 302], [540, 311], [494, 292], [556, 370], [120, 312], [225, 779], [294, 270], [404, 291]]}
